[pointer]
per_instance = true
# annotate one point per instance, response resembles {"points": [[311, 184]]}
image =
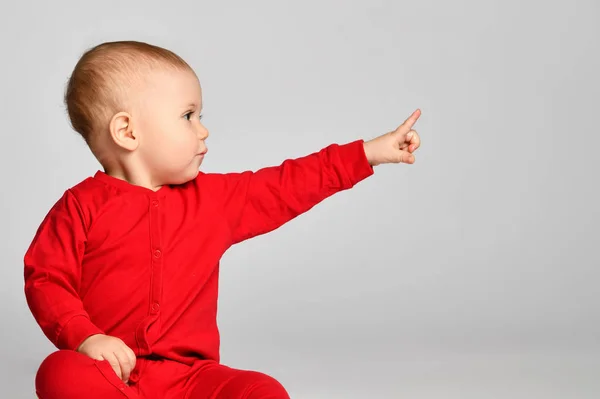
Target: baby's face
{"points": [[172, 138]]}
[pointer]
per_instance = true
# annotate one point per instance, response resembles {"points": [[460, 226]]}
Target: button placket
{"points": [[157, 256]]}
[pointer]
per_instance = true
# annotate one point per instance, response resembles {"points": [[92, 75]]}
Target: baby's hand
{"points": [[395, 147], [112, 349]]}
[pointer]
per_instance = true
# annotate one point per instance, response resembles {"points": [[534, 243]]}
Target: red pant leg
{"points": [[68, 374], [217, 381]]}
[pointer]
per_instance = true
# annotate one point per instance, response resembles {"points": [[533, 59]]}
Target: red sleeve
{"points": [[52, 275], [259, 202]]}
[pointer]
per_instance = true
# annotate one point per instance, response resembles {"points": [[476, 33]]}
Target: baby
{"points": [[122, 274]]}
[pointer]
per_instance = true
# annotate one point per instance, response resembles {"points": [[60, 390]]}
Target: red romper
{"points": [[122, 260]]}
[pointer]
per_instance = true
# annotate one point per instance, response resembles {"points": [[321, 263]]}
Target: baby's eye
{"points": [[186, 116]]}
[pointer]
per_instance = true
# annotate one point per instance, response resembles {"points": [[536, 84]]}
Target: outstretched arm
{"points": [[256, 203]]}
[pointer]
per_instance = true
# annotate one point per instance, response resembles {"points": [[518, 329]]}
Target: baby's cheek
{"points": [[193, 144]]}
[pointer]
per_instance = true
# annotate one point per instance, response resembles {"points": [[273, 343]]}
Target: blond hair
{"points": [[100, 83]]}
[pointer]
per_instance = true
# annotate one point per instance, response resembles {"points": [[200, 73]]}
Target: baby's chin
{"points": [[183, 178], [187, 175]]}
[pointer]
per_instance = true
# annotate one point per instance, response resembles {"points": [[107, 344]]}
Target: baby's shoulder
{"points": [[89, 191], [90, 196]]}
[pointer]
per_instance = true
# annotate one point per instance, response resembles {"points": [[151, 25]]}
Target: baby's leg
{"points": [[71, 375], [216, 381]]}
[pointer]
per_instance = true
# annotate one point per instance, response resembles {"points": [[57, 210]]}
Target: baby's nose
{"points": [[203, 133]]}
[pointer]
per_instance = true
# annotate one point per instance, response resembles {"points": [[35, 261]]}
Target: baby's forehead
{"points": [[169, 79], [144, 75], [169, 87], [154, 78]]}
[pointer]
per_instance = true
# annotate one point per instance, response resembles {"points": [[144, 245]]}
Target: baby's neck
{"points": [[136, 176]]}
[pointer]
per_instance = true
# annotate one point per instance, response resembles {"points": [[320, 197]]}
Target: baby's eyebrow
{"points": [[193, 105]]}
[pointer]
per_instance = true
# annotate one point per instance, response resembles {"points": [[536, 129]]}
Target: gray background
{"points": [[470, 274]]}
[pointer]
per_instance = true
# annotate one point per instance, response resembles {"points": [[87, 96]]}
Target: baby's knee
{"points": [[59, 370]]}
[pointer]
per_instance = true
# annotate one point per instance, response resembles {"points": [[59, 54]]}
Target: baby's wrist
{"points": [[368, 147]]}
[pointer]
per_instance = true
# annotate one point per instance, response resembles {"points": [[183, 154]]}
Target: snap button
{"points": [[155, 203], [155, 306], [157, 253]]}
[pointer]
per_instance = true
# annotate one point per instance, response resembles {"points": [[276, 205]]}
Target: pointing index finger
{"points": [[405, 127], [411, 120]]}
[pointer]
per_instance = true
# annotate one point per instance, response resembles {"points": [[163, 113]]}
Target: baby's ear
{"points": [[121, 131]]}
